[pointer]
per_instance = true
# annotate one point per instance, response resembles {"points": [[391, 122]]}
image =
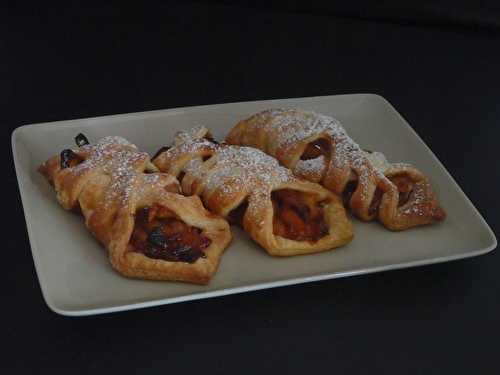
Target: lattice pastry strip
{"points": [[285, 215], [316, 147], [149, 230]]}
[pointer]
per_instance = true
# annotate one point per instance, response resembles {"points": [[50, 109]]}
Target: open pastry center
{"points": [[351, 187], [160, 234], [315, 149], [236, 215], [298, 216], [348, 191], [405, 187], [403, 183]]}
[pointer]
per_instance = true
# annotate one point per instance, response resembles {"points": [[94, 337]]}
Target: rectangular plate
{"points": [[77, 279]]}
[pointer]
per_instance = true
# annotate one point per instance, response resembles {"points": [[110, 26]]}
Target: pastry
{"points": [[316, 147], [149, 230], [285, 215]]}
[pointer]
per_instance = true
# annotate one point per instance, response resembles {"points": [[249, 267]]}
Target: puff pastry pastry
{"points": [[316, 147], [149, 230], [285, 215]]}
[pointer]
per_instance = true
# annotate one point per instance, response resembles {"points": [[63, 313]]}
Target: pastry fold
{"points": [[285, 215], [149, 230], [317, 148]]}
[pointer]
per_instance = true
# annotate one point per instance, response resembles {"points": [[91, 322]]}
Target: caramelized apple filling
{"points": [[315, 149], [405, 187], [160, 234], [297, 216]]}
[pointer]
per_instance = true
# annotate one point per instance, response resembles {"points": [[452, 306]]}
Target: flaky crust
{"points": [[286, 134], [110, 185], [227, 176]]}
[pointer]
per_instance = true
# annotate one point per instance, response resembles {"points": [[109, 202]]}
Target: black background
{"points": [[437, 66]]}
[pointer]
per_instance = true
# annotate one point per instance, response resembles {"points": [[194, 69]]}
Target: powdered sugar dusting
{"points": [[151, 178], [416, 205], [312, 169], [198, 132], [231, 169], [116, 140], [189, 145], [378, 160], [294, 126], [247, 168], [401, 166], [121, 160], [193, 166]]}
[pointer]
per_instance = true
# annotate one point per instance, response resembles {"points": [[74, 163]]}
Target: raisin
{"points": [[66, 157], [81, 140], [157, 238]]}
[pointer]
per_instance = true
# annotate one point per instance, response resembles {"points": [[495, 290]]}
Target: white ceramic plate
{"points": [[77, 279]]}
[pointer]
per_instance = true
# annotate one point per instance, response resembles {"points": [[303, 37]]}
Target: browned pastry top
{"points": [[111, 156], [291, 126], [316, 147], [285, 214], [225, 168], [149, 230]]}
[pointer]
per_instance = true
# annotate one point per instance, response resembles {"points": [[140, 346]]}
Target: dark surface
{"points": [[478, 15], [63, 63]]}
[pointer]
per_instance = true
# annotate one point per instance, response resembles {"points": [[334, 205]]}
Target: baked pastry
{"points": [[316, 147], [149, 230], [285, 215]]}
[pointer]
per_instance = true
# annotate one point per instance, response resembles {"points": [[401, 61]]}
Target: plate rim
{"points": [[241, 289]]}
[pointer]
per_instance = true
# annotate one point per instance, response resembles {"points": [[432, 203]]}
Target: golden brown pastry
{"points": [[316, 147], [285, 215], [149, 230]]}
